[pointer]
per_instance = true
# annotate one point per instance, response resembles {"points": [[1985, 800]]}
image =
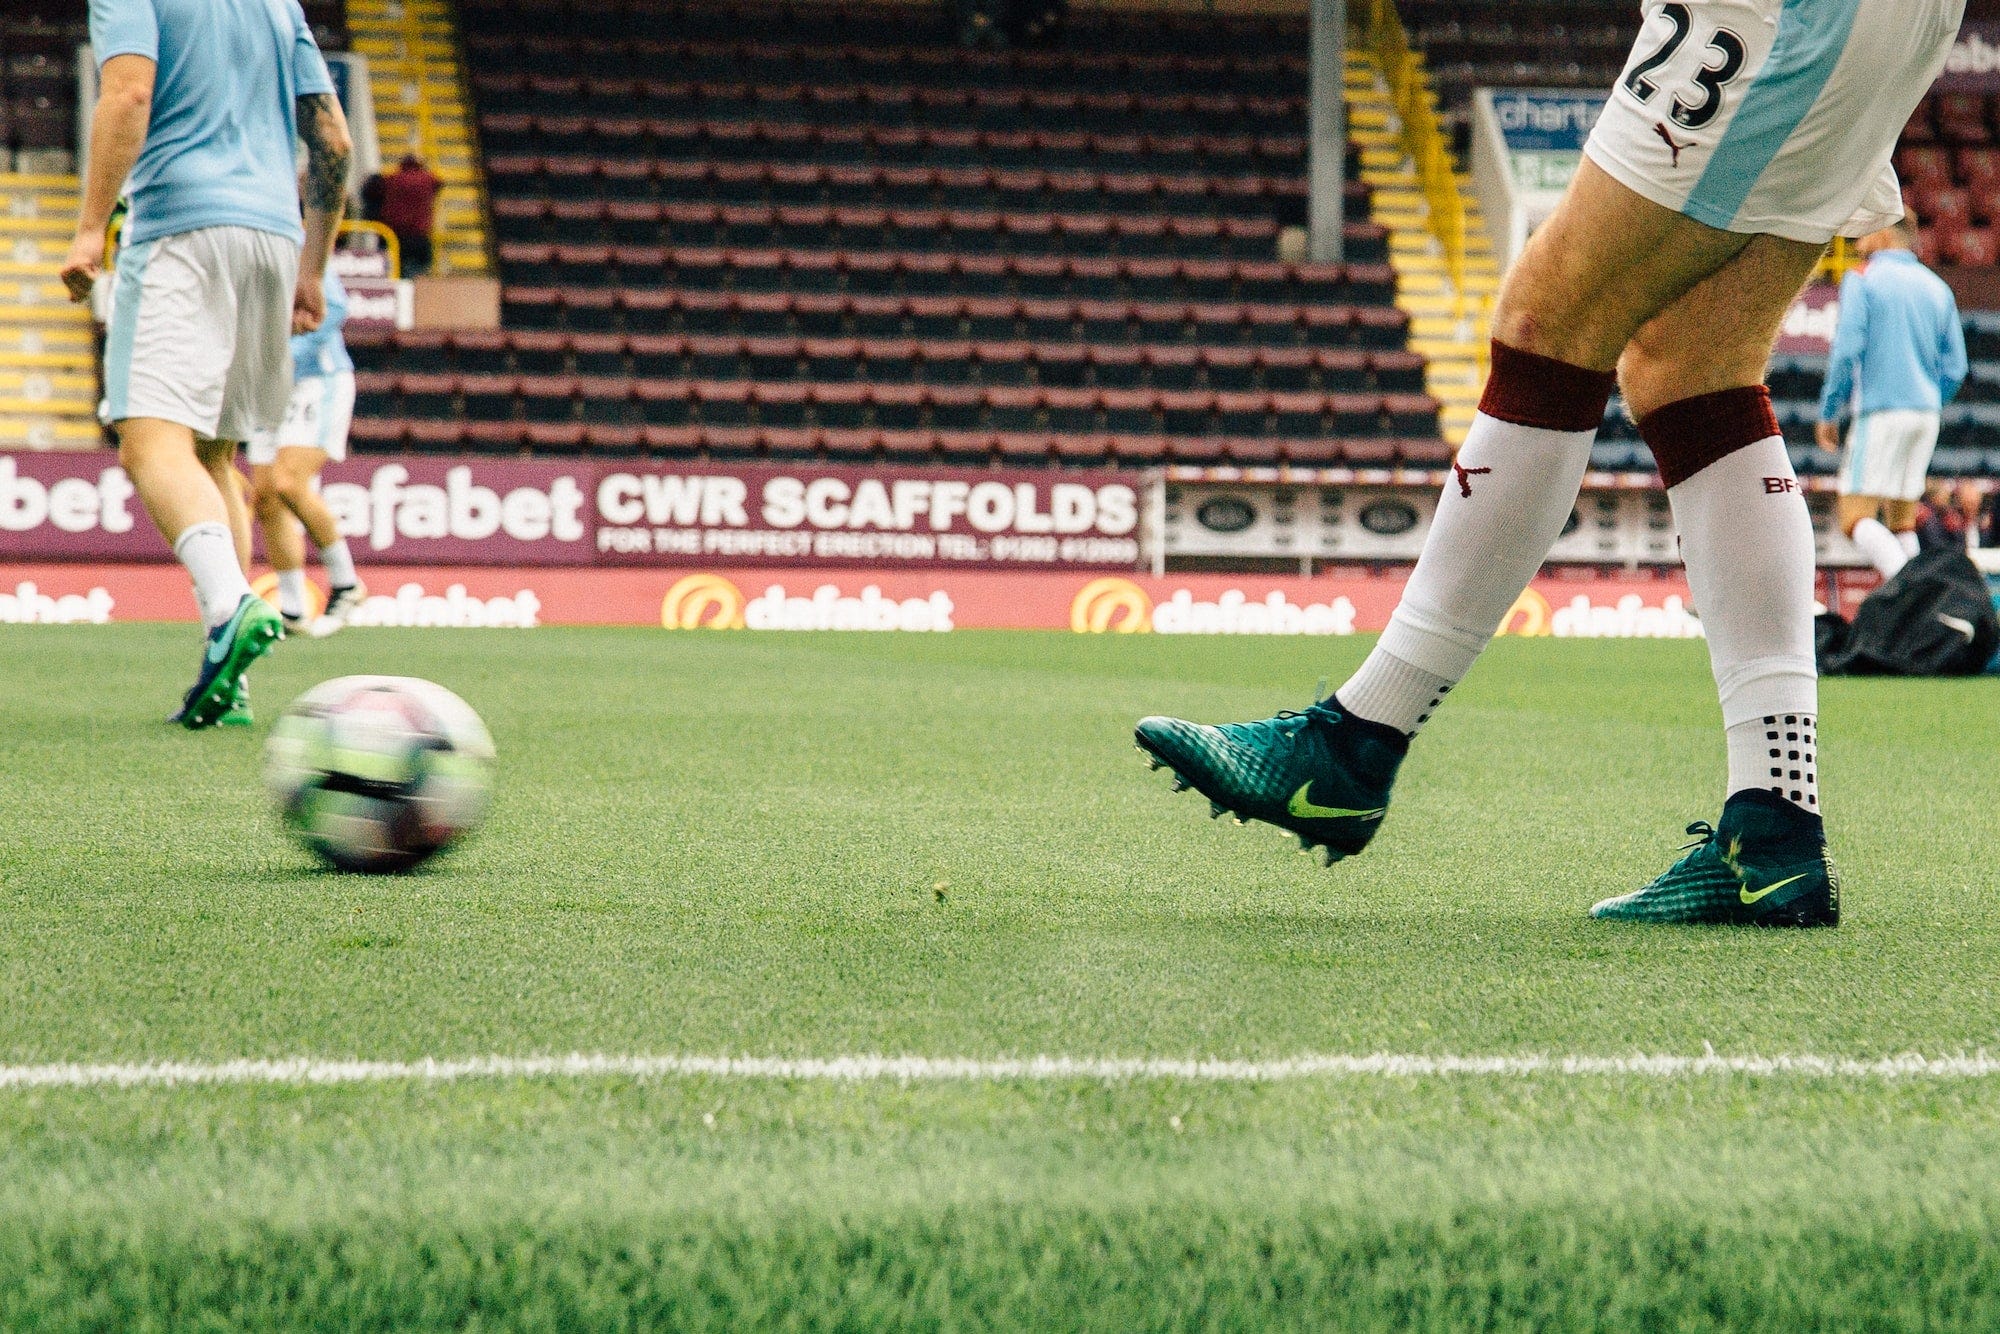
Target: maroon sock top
{"points": [[1529, 389], [1687, 436]]}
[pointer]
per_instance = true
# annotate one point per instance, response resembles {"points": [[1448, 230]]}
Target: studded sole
{"points": [[1216, 810]]}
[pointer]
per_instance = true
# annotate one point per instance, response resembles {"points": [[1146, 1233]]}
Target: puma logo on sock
{"points": [[1465, 476]]}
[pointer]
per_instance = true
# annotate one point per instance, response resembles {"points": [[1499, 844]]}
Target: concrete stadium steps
{"points": [[1447, 327], [420, 104], [48, 357]]}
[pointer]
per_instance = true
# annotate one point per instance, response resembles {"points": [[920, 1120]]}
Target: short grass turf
{"points": [[822, 845]]}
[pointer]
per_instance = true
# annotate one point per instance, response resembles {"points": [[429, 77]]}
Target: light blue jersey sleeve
{"points": [[1850, 342], [308, 65], [1951, 362], [124, 28]]}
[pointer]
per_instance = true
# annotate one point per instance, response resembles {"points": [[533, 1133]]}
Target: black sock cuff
{"points": [[1389, 736]]}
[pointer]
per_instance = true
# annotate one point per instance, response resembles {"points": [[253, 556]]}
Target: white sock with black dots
{"points": [[1392, 692], [1747, 540], [1779, 754]]}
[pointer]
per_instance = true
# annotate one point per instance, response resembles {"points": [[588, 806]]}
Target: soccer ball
{"points": [[377, 773]]}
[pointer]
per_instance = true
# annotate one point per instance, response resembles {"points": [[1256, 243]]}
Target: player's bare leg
{"points": [[1868, 523], [1693, 377], [284, 546], [219, 458], [287, 502], [1604, 268], [181, 492]]}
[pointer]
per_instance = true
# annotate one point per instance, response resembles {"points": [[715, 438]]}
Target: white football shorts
{"points": [[1888, 454], [318, 417], [1773, 117], [200, 331]]}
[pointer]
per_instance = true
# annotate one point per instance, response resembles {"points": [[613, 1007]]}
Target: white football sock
{"points": [[1747, 539], [1909, 542], [1511, 491], [292, 592], [1512, 488], [339, 565], [1880, 546], [1779, 754], [209, 553]]}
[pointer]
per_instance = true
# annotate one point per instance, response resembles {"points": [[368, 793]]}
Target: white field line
{"points": [[305, 1071]]}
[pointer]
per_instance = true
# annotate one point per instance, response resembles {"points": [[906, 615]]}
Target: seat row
{"points": [[891, 360], [970, 232], [1128, 30], [938, 273], [765, 210], [978, 319], [800, 143], [897, 105], [1962, 118], [569, 48], [634, 136], [852, 405], [862, 446]]}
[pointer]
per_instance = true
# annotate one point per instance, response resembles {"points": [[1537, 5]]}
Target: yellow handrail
{"points": [[1423, 137], [393, 246]]}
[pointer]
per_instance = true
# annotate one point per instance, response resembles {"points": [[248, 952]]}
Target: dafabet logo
{"points": [[703, 601], [265, 586], [1111, 606], [711, 602]]}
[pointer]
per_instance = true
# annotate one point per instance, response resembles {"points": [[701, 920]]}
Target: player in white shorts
{"points": [[285, 466], [1742, 136], [1898, 358], [200, 104]]}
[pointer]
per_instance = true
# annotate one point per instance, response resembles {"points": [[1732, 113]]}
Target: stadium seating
{"points": [[852, 237], [38, 41]]}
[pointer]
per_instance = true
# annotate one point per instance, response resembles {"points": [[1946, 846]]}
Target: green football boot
{"points": [[1765, 864], [228, 652], [238, 714], [1323, 774]]}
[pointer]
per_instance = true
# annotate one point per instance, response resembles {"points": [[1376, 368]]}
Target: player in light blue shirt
{"points": [[1898, 358], [284, 470], [218, 149], [198, 105]]}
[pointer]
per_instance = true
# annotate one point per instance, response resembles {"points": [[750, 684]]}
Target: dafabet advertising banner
{"points": [[926, 601], [582, 512]]}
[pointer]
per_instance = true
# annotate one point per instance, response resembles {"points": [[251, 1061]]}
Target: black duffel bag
{"points": [[1935, 618]]}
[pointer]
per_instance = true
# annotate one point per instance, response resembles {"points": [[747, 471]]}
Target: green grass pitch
{"points": [[826, 845]]}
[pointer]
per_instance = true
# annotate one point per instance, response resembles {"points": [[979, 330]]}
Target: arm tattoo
{"points": [[325, 184]]}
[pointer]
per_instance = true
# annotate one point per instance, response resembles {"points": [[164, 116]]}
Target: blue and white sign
{"points": [[1546, 120]]}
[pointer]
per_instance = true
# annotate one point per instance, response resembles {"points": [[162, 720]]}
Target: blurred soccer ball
{"points": [[377, 773]]}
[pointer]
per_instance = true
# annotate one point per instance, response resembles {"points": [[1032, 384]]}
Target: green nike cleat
{"points": [[1323, 774], [230, 649], [1766, 864], [238, 713]]}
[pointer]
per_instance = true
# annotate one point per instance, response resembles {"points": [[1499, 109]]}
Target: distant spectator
{"points": [[1943, 518], [371, 198], [409, 209]]}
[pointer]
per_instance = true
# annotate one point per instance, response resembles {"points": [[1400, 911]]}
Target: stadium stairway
{"points": [[420, 105], [1447, 328], [48, 373]]}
